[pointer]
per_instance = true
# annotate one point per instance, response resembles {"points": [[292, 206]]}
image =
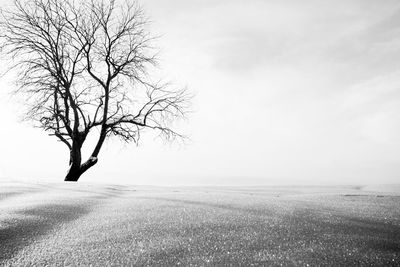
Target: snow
{"points": [[57, 224]]}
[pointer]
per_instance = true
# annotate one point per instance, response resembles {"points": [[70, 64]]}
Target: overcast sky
{"points": [[287, 92]]}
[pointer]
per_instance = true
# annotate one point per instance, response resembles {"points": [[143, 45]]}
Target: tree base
{"points": [[71, 180], [73, 176], [75, 172]]}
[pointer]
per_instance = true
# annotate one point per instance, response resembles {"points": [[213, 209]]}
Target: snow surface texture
{"points": [[82, 224]]}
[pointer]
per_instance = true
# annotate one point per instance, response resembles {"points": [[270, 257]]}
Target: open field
{"points": [[101, 225]]}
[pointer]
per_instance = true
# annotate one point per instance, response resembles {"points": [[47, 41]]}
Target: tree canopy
{"points": [[86, 65]]}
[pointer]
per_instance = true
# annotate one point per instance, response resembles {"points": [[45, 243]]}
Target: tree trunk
{"points": [[73, 174], [76, 168], [75, 159]]}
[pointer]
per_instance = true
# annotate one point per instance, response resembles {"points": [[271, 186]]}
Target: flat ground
{"points": [[100, 225]]}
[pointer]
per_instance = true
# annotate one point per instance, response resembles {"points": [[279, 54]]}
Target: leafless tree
{"points": [[84, 66]]}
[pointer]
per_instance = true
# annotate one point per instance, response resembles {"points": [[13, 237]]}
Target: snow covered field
{"points": [[102, 225]]}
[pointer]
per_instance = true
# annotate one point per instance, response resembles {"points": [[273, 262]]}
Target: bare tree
{"points": [[85, 66]]}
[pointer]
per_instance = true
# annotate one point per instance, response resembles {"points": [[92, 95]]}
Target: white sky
{"points": [[287, 92]]}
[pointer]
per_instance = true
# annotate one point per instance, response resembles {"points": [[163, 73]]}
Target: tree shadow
{"points": [[36, 222]]}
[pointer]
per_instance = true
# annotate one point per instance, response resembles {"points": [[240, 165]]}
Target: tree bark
{"points": [[75, 160], [76, 167], [73, 174]]}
